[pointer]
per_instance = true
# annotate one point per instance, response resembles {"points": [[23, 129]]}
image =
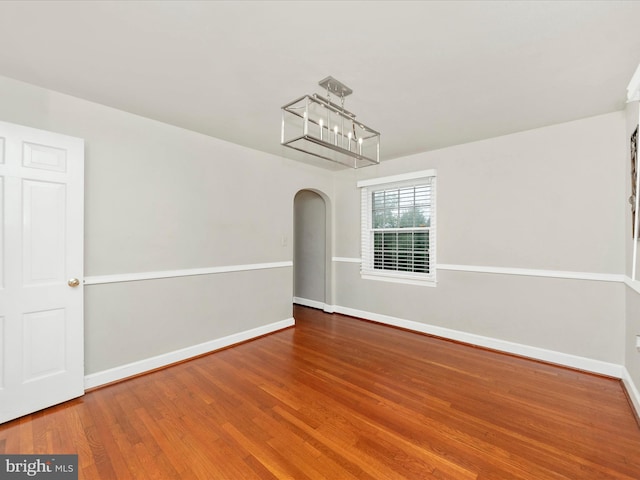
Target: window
{"points": [[398, 228]]}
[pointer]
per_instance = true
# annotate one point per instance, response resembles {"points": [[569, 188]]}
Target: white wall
{"points": [[548, 199], [162, 198]]}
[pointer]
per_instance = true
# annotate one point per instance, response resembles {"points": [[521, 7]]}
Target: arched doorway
{"points": [[312, 250]]}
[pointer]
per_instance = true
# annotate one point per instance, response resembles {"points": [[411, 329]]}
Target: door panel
{"points": [[1, 356], [44, 232], [44, 157], [2, 262], [41, 222], [44, 344]]}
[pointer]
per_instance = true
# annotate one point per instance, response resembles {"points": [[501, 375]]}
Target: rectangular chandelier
{"points": [[317, 126]]}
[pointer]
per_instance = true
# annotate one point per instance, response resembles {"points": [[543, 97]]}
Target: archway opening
{"points": [[312, 250]]}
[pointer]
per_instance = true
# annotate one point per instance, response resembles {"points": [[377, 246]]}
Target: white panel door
{"points": [[41, 256]]}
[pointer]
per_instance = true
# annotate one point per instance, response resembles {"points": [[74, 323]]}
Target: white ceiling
{"points": [[425, 74]]}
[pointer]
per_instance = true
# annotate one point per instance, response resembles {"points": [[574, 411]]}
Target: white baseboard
{"points": [[305, 302], [632, 390], [573, 361], [124, 371], [313, 304]]}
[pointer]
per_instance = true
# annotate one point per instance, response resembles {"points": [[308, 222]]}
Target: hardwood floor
{"points": [[340, 398]]}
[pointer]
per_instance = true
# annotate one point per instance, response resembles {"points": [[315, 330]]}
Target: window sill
{"points": [[399, 279]]}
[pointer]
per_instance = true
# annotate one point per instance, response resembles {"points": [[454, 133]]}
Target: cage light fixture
{"points": [[317, 126]]}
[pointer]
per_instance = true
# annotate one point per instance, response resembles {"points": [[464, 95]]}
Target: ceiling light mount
{"points": [[317, 126], [334, 86]]}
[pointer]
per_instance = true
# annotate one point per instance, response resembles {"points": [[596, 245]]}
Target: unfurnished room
{"points": [[319, 240]]}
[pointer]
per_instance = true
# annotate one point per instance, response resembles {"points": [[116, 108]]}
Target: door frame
{"points": [[329, 289]]}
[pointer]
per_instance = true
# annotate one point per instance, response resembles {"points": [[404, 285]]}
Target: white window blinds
{"points": [[398, 227]]}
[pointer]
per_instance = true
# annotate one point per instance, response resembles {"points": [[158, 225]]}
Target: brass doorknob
{"points": [[73, 282]]}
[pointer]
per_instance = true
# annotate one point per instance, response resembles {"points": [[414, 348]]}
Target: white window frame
{"points": [[367, 270]]}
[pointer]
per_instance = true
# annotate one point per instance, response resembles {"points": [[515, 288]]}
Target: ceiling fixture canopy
{"points": [[317, 126]]}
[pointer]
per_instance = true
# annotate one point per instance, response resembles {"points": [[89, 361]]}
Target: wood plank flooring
{"points": [[340, 398]]}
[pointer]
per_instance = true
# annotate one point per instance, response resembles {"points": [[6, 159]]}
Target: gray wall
{"points": [[632, 357], [163, 198], [309, 246], [546, 199]]}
